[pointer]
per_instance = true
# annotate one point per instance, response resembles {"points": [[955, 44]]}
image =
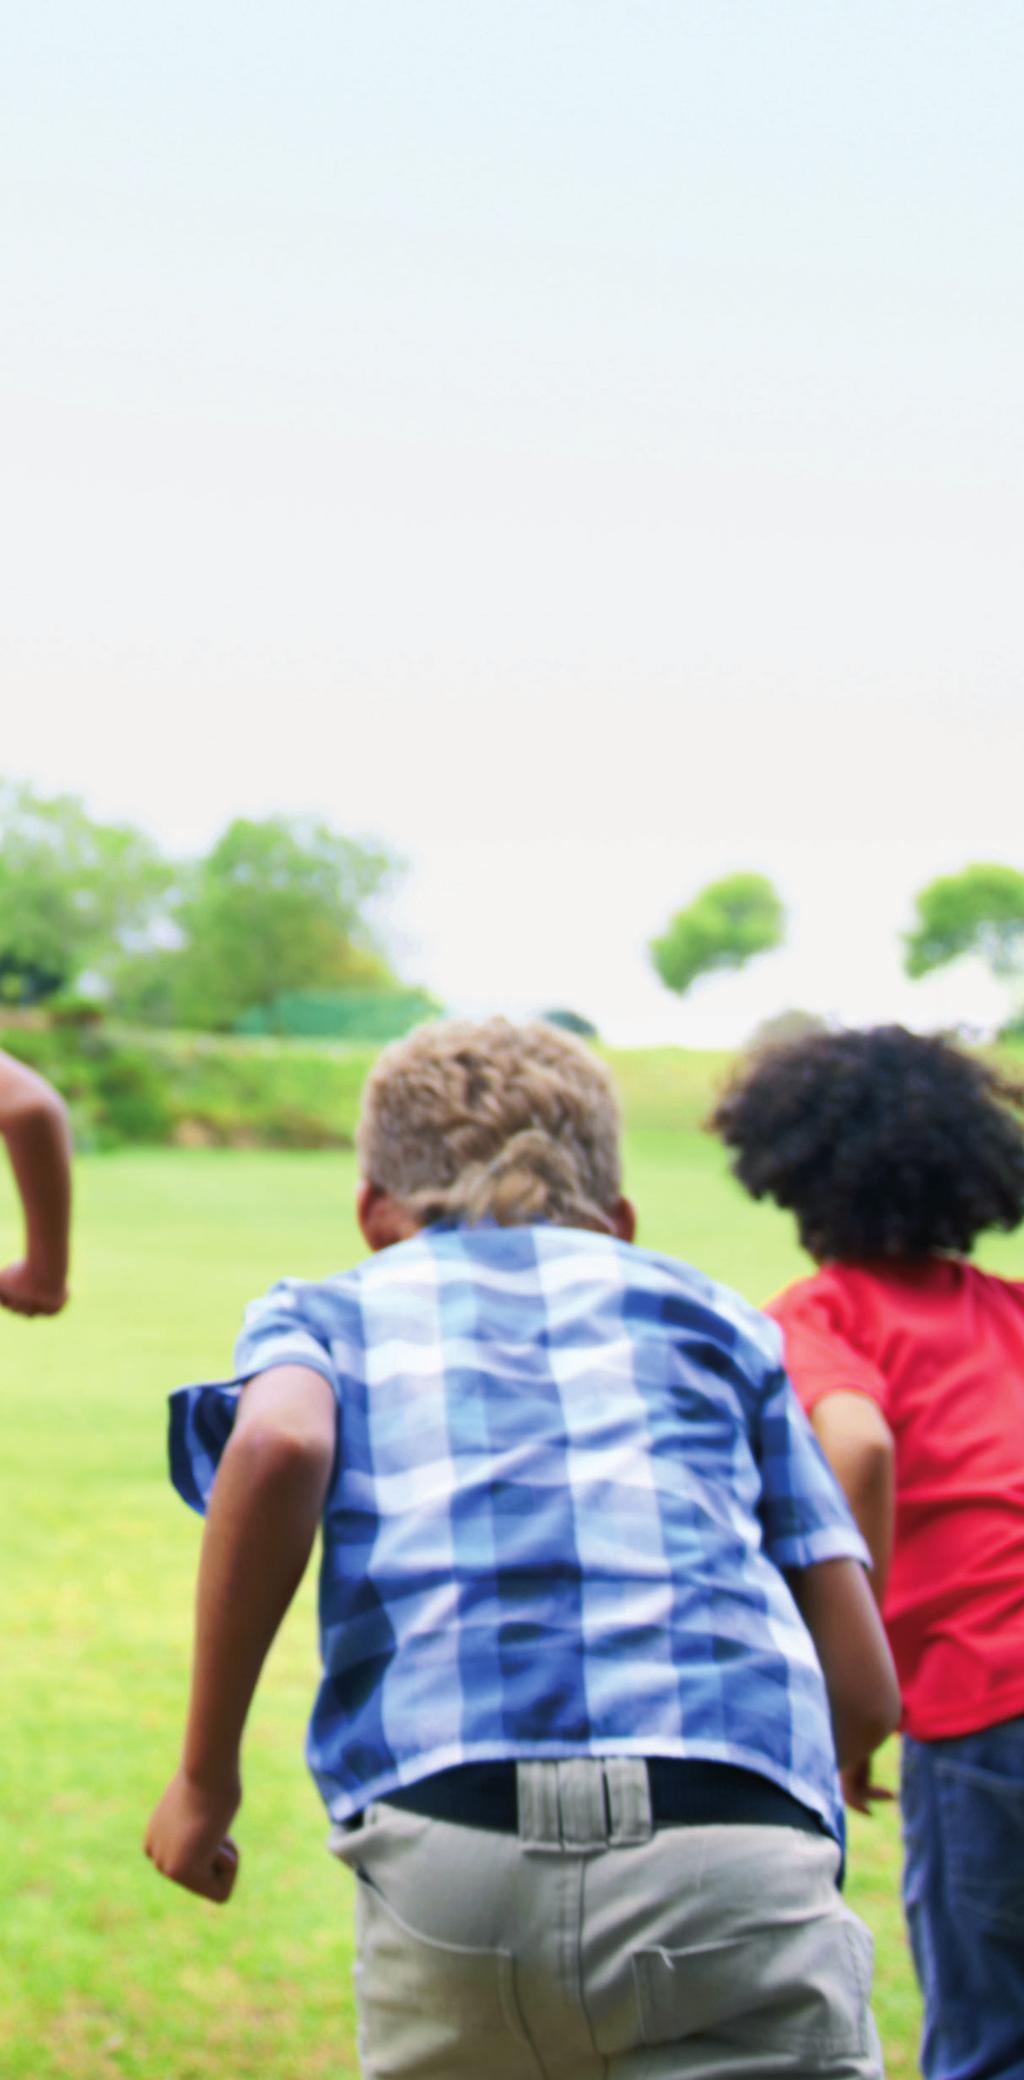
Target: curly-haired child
{"points": [[579, 1548], [895, 1152]]}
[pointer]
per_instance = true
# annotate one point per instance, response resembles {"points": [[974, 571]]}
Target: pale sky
{"points": [[578, 442]]}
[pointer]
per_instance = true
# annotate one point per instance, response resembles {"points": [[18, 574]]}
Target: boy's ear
{"points": [[624, 1220], [382, 1219]]}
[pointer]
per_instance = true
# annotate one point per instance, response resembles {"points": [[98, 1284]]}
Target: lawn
{"points": [[104, 1970]]}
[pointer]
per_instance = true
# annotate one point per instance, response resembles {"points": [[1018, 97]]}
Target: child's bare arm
{"points": [[260, 1528], [34, 1125], [858, 1444], [842, 1618]]}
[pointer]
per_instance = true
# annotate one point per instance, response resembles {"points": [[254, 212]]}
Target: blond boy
{"points": [[573, 1735]]}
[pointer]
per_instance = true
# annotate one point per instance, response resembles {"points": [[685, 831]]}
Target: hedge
{"points": [[195, 1090]]}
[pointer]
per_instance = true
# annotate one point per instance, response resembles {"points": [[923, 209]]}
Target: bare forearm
{"points": [[39, 1146], [264, 1511], [262, 1522], [843, 1620]]}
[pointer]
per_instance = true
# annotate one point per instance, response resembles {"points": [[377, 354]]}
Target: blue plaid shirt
{"points": [[569, 1474]]}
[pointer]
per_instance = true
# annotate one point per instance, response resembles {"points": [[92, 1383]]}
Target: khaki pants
{"points": [[591, 1947]]}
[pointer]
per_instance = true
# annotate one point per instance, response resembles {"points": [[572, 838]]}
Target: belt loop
{"points": [[537, 1797], [629, 1801], [581, 1800]]}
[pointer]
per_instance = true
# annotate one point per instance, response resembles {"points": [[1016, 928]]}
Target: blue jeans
{"points": [[963, 1892]]}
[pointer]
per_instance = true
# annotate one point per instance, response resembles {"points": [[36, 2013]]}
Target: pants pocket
{"points": [[801, 1987], [433, 2010], [982, 1814]]}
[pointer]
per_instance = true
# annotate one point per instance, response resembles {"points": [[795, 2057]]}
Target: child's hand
{"points": [[859, 1790], [24, 1291], [188, 1841]]}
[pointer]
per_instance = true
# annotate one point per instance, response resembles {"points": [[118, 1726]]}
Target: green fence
{"points": [[341, 1014]]}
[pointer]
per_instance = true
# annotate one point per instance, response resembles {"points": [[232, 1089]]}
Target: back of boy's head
{"points": [[493, 1121], [883, 1143]]}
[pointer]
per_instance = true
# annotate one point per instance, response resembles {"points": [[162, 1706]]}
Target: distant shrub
{"points": [[114, 1092], [70, 1009], [261, 1093], [571, 1022], [135, 1100]]}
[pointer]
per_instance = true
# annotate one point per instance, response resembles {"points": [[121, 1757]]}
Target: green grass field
{"points": [[105, 1970]]}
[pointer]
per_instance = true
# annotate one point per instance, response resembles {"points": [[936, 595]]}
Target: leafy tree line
{"points": [[276, 907], [978, 911], [276, 916]]}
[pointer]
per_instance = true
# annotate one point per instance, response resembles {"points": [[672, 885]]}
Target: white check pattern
{"points": [[570, 1475]]}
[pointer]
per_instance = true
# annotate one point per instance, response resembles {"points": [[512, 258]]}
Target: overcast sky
{"points": [[576, 441]]}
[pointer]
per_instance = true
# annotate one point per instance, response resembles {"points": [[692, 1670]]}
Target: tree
{"points": [[784, 1028], [146, 986], [571, 1022], [724, 927], [277, 906], [73, 892], [979, 911]]}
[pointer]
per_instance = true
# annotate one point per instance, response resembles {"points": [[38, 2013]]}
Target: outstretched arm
{"points": [[262, 1521], [34, 1125]]}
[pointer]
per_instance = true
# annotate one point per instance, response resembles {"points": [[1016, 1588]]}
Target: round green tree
{"points": [[725, 926], [277, 906], [981, 911]]}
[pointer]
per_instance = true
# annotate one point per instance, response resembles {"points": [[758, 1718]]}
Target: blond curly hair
{"points": [[493, 1121]]}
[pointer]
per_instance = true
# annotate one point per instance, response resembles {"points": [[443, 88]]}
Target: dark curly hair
{"points": [[883, 1143]]}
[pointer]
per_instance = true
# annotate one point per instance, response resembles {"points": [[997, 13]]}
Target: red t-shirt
{"points": [[940, 1347]]}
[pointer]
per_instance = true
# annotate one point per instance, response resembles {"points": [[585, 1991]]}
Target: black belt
{"points": [[683, 1794]]}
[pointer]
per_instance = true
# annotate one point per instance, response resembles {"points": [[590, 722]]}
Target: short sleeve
{"points": [[286, 1326], [281, 1328], [819, 1355], [804, 1515]]}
